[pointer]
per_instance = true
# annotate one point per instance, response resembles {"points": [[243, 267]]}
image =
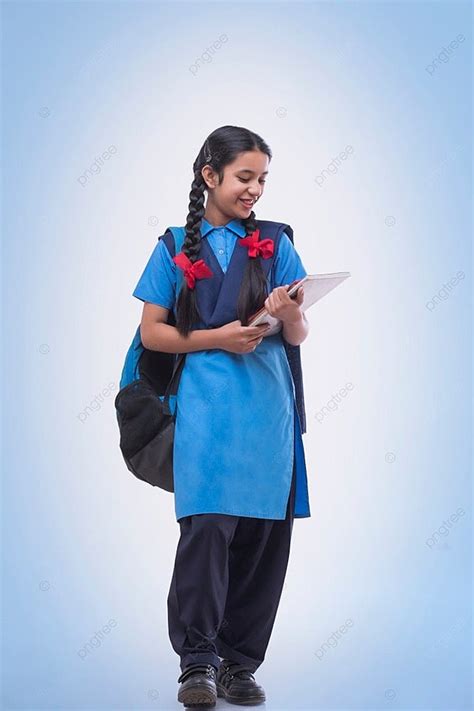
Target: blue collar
{"points": [[234, 225]]}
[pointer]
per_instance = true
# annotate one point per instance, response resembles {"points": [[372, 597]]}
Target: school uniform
{"points": [[238, 460]]}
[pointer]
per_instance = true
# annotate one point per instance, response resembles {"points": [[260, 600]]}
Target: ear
{"points": [[209, 177]]}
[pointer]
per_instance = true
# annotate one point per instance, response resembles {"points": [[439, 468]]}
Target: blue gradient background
{"points": [[86, 543]]}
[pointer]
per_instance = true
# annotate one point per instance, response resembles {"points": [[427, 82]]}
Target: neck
{"points": [[216, 217]]}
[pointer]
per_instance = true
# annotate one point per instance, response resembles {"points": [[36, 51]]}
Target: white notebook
{"points": [[315, 286]]}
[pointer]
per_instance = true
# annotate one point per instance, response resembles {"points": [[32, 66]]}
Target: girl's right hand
{"points": [[235, 338]]}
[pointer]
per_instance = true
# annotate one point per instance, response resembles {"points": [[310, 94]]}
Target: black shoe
{"points": [[237, 685], [198, 687]]}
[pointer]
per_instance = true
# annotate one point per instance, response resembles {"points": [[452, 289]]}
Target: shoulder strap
{"points": [[174, 238]]}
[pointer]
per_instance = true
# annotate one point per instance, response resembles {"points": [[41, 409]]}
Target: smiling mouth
{"points": [[247, 203]]}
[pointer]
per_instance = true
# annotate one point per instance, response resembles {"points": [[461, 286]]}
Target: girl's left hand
{"points": [[281, 306]]}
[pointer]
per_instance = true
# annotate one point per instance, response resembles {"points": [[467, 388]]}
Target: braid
{"points": [[187, 308], [254, 288], [192, 242]]}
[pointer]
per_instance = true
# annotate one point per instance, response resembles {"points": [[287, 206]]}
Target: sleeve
{"points": [[157, 284], [287, 266]]}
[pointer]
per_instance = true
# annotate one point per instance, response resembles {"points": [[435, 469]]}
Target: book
{"points": [[315, 286]]}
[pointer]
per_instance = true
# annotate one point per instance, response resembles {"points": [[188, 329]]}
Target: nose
{"points": [[255, 192]]}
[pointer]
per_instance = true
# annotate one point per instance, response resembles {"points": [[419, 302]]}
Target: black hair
{"points": [[220, 148]]}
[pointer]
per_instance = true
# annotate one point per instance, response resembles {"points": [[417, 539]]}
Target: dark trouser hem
{"points": [[200, 658], [227, 652]]}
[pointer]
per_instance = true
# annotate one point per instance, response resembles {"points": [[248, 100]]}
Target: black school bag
{"points": [[146, 421], [149, 383]]}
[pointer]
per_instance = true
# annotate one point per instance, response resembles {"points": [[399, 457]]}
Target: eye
{"points": [[246, 180]]}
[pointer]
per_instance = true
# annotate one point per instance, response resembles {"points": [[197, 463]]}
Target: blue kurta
{"points": [[237, 428]]}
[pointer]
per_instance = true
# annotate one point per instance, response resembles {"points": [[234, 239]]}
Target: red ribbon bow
{"points": [[192, 270], [262, 248]]}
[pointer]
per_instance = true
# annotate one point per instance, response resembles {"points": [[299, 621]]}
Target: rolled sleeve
{"points": [[287, 266], [157, 284]]}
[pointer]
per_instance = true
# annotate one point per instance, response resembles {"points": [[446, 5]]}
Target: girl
{"points": [[238, 458]]}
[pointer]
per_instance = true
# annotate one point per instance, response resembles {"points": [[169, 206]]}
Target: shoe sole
{"points": [[197, 696], [245, 701]]}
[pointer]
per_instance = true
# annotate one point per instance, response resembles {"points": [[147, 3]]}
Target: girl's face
{"points": [[242, 185]]}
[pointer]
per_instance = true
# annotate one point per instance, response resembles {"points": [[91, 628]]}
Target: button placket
{"points": [[221, 247]]}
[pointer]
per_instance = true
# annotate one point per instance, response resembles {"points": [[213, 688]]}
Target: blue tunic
{"points": [[237, 430]]}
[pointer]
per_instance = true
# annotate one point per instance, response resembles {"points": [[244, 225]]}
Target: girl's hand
{"points": [[282, 306], [235, 338]]}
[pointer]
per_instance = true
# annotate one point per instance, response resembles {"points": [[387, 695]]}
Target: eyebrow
{"points": [[247, 170]]}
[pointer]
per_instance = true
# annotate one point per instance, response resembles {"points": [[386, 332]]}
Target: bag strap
{"points": [[172, 388], [179, 235]]}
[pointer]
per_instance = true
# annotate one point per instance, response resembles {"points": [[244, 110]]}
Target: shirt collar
{"points": [[234, 225]]}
